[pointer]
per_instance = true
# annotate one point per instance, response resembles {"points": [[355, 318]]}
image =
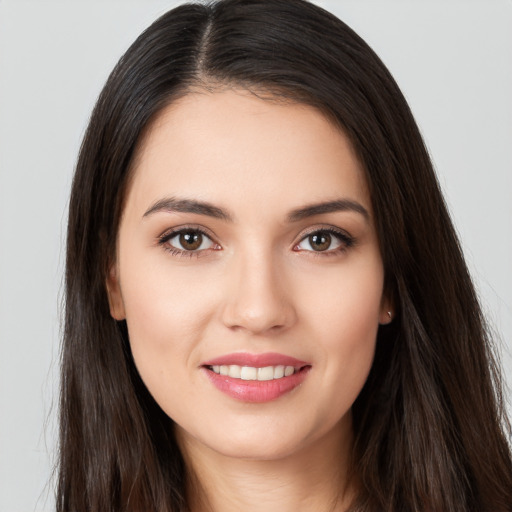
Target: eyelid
{"points": [[324, 228], [186, 227]]}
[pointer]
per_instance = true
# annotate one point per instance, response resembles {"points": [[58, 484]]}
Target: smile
{"points": [[251, 373], [256, 377]]}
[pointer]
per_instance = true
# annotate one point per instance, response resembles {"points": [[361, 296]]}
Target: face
{"points": [[249, 273]]}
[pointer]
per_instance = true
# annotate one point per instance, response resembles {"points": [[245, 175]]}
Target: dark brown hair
{"points": [[431, 434]]}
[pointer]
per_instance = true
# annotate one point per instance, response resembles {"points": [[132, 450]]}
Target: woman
{"points": [[267, 306]]}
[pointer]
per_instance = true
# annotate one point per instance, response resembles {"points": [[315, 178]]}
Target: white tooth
{"points": [[278, 372], [248, 373], [266, 373], [234, 371]]}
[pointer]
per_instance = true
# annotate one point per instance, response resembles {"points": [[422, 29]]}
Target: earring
{"points": [[390, 315]]}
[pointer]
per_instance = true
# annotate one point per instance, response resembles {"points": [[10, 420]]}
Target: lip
{"points": [[256, 360], [255, 391]]}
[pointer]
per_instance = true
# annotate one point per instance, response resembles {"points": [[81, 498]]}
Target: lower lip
{"points": [[256, 390]]}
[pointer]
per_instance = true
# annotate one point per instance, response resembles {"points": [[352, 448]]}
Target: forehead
{"points": [[234, 148]]}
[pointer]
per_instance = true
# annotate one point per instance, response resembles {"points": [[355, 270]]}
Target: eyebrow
{"points": [[172, 204], [339, 205]]}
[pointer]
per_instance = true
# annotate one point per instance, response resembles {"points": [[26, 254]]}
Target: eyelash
{"points": [[344, 238]]}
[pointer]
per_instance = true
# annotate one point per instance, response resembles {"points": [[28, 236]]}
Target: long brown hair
{"points": [[431, 433]]}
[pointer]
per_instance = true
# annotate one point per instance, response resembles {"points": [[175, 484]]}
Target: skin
{"points": [[258, 286]]}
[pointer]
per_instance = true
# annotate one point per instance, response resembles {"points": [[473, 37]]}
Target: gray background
{"points": [[453, 60]]}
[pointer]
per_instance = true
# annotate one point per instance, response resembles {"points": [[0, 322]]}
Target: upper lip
{"points": [[256, 360]]}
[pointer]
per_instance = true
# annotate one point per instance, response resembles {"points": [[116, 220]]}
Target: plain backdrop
{"points": [[453, 60]]}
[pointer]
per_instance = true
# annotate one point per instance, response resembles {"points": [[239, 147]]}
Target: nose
{"points": [[258, 300]]}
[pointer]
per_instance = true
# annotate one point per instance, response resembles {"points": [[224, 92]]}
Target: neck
{"points": [[314, 478]]}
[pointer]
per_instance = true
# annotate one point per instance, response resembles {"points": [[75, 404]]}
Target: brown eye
{"points": [[191, 240], [320, 241], [325, 240], [188, 240]]}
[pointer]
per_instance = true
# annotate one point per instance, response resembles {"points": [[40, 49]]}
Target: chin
{"points": [[257, 450], [269, 440]]}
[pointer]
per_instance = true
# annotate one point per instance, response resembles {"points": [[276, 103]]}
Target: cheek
{"points": [[343, 319], [167, 312], [162, 297], [344, 303]]}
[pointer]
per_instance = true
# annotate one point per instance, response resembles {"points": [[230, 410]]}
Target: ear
{"points": [[387, 311], [115, 298]]}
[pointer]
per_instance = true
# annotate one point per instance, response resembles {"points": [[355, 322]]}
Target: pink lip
{"points": [[254, 390], [256, 360]]}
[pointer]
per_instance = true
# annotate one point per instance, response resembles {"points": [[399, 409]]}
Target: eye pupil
{"points": [[191, 240], [320, 242]]}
